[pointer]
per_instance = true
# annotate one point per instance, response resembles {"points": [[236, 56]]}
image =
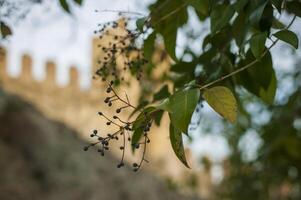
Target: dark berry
{"points": [[107, 100]]}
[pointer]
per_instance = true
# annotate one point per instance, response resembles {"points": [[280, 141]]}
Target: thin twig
{"points": [[122, 100], [121, 11]]}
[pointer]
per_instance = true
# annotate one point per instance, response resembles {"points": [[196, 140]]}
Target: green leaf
{"points": [[182, 105], [149, 46], [288, 37], [143, 117], [140, 23], [65, 5], [166, 18], [260, 73], [221, 16], [294, 7], [277, 4], [170, 43], [175, 137], [257, 14], [259, 76], [200, 6], [158, 117], [139, 124], [257, 44], [162, 93], [266, 20], [79, 2], [5, 30], [222, 100], [239, 29], [183, 67], [268, 95], [164, 105], [239, 5], [276, 24]]}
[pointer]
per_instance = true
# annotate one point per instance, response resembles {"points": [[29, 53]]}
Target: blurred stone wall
{"points": [[77, 108]]}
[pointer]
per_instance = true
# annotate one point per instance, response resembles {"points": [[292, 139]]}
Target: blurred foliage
{"points": [[275, 172], [235, 54]]}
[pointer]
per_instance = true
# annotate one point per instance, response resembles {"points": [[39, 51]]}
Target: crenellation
{"points": [[73, 78], [3, 63], [50, 78], [26, 69]]}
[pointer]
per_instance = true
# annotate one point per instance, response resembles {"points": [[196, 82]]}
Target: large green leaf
{"points": [[182, 104], [175, 137], [222, 101], [164, 105], [288, 37], [257, 44]]}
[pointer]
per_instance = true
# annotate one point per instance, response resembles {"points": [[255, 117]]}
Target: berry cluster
{"points": [[124, 45], [124, 129]]}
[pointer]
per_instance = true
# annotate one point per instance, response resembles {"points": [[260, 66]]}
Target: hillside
{"points": [[43, 159]]}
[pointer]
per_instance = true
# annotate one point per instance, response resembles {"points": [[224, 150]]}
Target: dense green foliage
{"points": [[236, 53]]}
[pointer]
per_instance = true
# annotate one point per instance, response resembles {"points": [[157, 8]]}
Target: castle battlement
{"points": [[69, 104], [26, 75]]}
